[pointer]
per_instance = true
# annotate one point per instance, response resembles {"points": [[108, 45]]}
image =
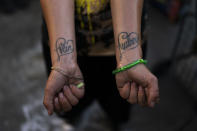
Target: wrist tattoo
{"points": [[64, 47], [127, 41]]}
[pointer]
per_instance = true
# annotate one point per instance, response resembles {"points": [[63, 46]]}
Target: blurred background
{"points": [[172, 55]]}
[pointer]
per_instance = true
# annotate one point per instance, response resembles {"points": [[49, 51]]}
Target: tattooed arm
{"points": [[61, 92], [138, 84]]}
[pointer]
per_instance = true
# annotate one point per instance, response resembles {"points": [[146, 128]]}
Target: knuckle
{"points": [[65, 92], [155, 91], [153, 79]]}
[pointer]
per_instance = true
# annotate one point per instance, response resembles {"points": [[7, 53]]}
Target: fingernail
{"points": [[152, 104]]}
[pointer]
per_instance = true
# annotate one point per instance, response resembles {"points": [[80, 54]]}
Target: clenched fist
{"points": [[61, 92], [138, 86]]}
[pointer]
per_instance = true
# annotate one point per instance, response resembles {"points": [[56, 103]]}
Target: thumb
{"points": [[48, 100]]}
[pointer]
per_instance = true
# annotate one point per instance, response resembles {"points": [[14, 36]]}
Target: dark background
{"points": [[171, 38]]}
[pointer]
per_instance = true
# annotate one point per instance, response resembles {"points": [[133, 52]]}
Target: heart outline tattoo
{"points": [[64, 47], [127, 41]]}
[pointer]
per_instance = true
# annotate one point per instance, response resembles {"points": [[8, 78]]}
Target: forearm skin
{"points": [[59, 17], [126, 16]]}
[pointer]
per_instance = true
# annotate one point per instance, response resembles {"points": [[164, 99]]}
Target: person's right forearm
{"points": [[59, 17]]}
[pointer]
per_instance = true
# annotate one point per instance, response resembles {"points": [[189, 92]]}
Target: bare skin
{"points": [[61, 93], [136, 85]]}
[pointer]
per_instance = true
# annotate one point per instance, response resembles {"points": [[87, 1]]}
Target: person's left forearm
{"points": [[126, 16], [137, 85]]}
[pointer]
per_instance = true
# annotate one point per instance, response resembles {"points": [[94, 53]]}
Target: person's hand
{"points": [[61, 92], [138, 86]]}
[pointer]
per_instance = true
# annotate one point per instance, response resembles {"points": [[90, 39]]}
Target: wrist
{"points": [[128, 48], [68, 64], [127, 61], [128, 57], [130, 65]]}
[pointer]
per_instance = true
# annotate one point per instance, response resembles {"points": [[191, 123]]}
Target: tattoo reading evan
{"points": [[64, 47], [127, 41]]}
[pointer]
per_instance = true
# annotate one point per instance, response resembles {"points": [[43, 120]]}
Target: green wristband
{"points": [[126, 67], [80, 85]]}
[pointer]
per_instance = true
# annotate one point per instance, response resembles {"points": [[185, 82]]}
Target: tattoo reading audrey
{"points": [[64, 47], [127, 41]]}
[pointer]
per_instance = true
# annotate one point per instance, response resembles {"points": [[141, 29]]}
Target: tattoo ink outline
{"points": [[65, 42], [128, 39]]}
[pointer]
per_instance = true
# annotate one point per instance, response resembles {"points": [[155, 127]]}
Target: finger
{"points": [[66, 106], [77, 92], [125, 90], [73, 100], [48, 99], [152, 92], [133, 93], [141, 96], [57, 104]]}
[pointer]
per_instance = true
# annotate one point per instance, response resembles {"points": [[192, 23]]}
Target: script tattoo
{"points": [[64, 47], [127, 41]]}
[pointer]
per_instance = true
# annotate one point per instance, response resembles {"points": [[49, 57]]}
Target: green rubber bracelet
{"points": [[126, 67], [80, 85]]}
